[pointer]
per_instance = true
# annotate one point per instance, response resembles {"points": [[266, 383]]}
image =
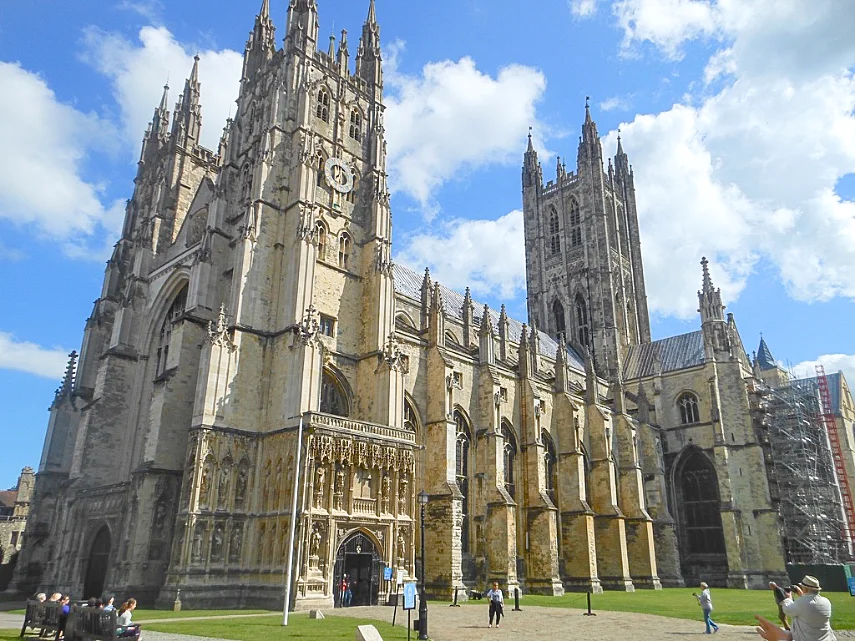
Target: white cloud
{"points": [[453, 118], [151, 10], [42, 182], [666, 23], [486, 255], [31, 358], [583, 8], [614, 103], [749, 172], [139, 69], [831, 362]]}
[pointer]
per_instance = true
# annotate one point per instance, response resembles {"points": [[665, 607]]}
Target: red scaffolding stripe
{"points": [[836, 451]]}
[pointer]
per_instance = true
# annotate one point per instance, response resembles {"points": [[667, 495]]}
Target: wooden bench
{"points": [[92, 624], [43, 615]]}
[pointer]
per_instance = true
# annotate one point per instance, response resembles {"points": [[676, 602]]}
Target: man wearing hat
{"points": [[810, 613]]}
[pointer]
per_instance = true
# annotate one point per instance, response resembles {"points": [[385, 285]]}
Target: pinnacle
{"points": [[708, 286], [372, 14]]}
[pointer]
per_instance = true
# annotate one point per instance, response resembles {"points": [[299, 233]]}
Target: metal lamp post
{"points": [[423, 624]]}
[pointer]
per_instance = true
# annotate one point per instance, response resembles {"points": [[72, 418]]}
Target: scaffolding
{"points": [[809, 496]]}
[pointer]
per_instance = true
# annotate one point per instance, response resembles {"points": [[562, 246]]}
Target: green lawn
{"points": [[148, 615], [271, 629], [737, 607]]}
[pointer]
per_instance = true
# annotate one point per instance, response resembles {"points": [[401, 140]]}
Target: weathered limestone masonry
{"points": [[252, 299], [14, 511]]}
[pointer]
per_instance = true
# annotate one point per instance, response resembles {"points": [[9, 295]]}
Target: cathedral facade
{"points": [[256, 360]]}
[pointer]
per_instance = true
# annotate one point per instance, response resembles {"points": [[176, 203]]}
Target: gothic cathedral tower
{"points": [[584, 275], [249, 300]]}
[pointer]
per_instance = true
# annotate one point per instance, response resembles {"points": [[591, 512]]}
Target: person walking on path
{"points": [[810, 614], [705, 601], [780, 595], [497, 602]]}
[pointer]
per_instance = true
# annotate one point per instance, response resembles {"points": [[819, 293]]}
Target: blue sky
{"points": [[737, 117]]}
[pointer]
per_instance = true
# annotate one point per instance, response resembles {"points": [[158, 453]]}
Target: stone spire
{"points": [[331, 50], [65, 389], [261, 44], [622, 171], [504, 325], [368, 58], [709, 298], [486, 347], [187, 123], [589, 146], [303, 25], [525, 355], [562, 373], [343, 53], [427, 286], [468, 318], [532, 174]]}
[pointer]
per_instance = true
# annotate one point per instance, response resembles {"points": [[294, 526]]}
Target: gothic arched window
{"points": [[509, 455], [688, 404], [464, 441], [165, 335], [558, 315], [321, 232], [583, 334], [554, 233], [550, 459], [343, 250], [575, 224], [356, 125], [699, 504], [333, 398], [323, 110], [320, 166], [351, 195], [411, 420]]}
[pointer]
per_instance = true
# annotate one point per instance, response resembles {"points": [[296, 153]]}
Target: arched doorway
{"points": [[698, 507], [96, 568], [359, 560]]}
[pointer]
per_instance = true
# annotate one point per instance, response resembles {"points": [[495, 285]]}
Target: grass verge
{"points": [[736, 607], [270, 628]]}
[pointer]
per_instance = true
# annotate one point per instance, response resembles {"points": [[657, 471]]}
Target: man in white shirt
{"points": [[497, 601], [810, 613]]}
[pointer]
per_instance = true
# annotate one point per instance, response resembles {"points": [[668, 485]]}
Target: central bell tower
{"points": [[584, 275]]}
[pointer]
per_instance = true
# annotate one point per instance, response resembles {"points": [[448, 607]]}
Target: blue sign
{"points": [[409, 596], [387, 573], [851, 582]]}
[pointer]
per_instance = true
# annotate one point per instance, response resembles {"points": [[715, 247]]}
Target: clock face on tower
{"points": [[338, 175]]}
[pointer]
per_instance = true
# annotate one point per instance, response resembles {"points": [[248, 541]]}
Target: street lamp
{"points": [[423, 628]]}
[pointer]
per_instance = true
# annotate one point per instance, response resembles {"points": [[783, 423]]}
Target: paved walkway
{"points": [[469, 623]]}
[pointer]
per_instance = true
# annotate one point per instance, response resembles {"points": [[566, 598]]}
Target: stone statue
{"points": [[320, 478], [236, 543], [315, 541], [205, 487], [223, 486], [402, 547], [385, 491], [403, 497], [240, 488], [217, 544]]}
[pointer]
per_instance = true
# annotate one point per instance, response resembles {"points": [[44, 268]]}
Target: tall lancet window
{"points": [[343, 250], [510, 458], [323, 109], [320, 168], [560, 323], [464, 440], [165, 335], [583, 334], [575, 224], [554, 233], [321, 233], [356, 125], [549, 465]]}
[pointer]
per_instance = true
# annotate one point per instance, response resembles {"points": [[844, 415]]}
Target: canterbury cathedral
{"points": [[255, 361]]}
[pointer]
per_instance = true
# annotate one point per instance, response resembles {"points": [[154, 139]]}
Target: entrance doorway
{"points": [[99, 560], [358, 562]]}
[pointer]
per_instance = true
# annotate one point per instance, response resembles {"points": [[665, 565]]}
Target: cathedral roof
{"points": [[675, 353], [764, 356], [8, 498], [408, 283]]}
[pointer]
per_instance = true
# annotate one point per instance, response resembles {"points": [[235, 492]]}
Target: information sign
{"points": [[409, 596], [851, 582], [387, 573]]}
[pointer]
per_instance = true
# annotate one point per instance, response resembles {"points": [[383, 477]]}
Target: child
{"points": [[497, 601]]}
